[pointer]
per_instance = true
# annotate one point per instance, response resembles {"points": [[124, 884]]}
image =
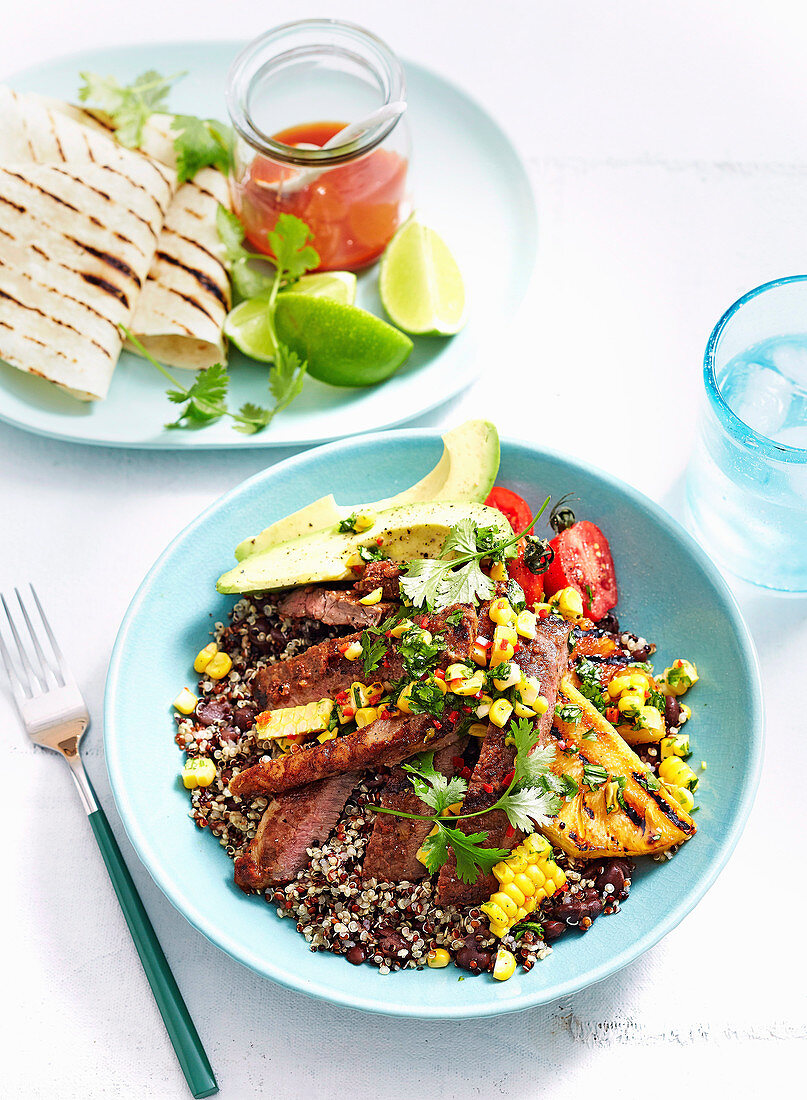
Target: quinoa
{"points": [[390, 926]]}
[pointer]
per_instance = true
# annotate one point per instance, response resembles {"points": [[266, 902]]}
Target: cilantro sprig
{"points": [[456, 576], [532, 797], [199, 142]]}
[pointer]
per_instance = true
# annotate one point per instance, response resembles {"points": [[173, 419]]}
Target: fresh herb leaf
{"points": [[589, 592], [589, 676], [371, 553], [656, 699], [647, 780], [290, 248], [570, 786], [594, 775], [348, 524], [205, 401], [373, 651], [434, 850], [529, 805], [569, 712], [201, 143], [128, 105], [286, 377], [454, 618], [472, 859], [425, 697], [523, 926], [433, 788], [418, 654], [515, 594], [531, 762]]}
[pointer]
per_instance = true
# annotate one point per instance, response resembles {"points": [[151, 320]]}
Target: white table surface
{"points": [[666, 144]]}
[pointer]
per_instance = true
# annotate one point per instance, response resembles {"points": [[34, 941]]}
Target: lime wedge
{"points": [[248, 327], [344, 345], [338, 285], [421, 286]]}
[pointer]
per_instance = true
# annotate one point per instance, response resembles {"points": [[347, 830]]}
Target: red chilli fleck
{"points": [[509, 832], [487, 788]]}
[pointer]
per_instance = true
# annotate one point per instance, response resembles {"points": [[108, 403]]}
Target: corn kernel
{"points": [[682, 796], [638, 681], [499, 929], [401, 629], [352, 652], [505, 965], [525, 624], [498, 572], [649, 718], [506, 904], [538, 845], [478, 729], [372, 598], [673, 770], [494, 912], [459, 671], [354, 561], [514, 893], [403, 699], [204, 657], [570, 603], [500, 652], [503, 873], [365, 715], [525, 884], [328, 735], [529, 689], [437, 958], [630, 705], [374, 692], [678, 678], [219, 666], [364, 521], [521, 710], [536, 875], [505, 633], [684, 715], [479, 655], [199, 771], [314, 717], [541, 705], [501, 612], [186, 701], [471, 686], [500, 712]]}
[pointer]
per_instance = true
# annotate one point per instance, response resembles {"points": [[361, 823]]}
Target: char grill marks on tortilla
{"points": [[332, 606], [292, 823], [547, 657], [386, 741], [391, 854], [323, 670]]}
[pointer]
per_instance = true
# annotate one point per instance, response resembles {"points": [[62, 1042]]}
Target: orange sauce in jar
{"points": [[353, 210]]}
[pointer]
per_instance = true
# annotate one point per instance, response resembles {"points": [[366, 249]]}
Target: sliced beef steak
{"points": [[319, 673], [547, 657], [380, 574], [386, 741], [391, 854], [322, 671], [292, 823], [332, 606]]}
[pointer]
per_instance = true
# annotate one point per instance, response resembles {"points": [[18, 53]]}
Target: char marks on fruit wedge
{"points": [[386, 741], [391, 854], [332, 606], [291, 824], [547, 657]]}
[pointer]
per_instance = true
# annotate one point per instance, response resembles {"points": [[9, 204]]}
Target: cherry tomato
{"points": [[513, 507], [533, 586], [583, 561]]}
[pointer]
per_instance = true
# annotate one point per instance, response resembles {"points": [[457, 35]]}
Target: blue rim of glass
{"points": [[731, 422]]}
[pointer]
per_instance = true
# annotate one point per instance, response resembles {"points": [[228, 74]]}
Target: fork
{"points": [[55, 716]]}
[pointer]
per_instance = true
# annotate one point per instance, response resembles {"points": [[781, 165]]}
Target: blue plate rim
{"points": [[538, 996], [528, 246]]}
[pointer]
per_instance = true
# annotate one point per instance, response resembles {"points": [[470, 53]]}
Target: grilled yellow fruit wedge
{"points": [[620, 809]]}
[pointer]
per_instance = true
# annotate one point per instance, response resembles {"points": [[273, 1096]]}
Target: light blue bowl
{"points": [[670, 592]]}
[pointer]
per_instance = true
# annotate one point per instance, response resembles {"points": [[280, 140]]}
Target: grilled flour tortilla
{"points": [[180, 314], [76, 243]]}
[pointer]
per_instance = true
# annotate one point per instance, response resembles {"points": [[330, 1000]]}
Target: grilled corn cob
{"points": [[292, 721], [526, 877]]}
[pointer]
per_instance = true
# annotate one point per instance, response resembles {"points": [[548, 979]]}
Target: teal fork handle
{"points": [[174, 1011]]}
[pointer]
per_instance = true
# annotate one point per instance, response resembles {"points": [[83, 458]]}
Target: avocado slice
{"points": [[466, 471], [416, 530]]}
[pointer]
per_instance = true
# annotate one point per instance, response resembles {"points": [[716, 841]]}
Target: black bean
{"points": [[553, 930], [245, 715], [615, 873], [609, 623], [356, 955], [216, 710], [672, 711]]}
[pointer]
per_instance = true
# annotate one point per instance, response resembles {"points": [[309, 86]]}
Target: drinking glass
{"points": [[746, 492]]}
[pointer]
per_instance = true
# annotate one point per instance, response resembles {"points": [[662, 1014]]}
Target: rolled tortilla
{"points": [[76, 244]]}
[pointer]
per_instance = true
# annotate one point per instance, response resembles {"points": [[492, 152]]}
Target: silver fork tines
{"points": [[51, 706]]}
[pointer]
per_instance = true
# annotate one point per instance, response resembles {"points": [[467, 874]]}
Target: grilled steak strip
{"points": [[291, 824], [547, 657], [332, 606], [380, 574], [391, 854], [322, 671], [386, 741]]}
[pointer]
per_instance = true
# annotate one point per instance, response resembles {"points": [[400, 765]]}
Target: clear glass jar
{"points": [[290, 91]]}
